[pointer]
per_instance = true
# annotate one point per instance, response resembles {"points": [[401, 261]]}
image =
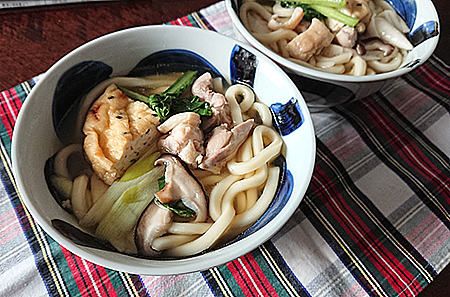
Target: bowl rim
{"points": [[322, 75], [178, 266]]}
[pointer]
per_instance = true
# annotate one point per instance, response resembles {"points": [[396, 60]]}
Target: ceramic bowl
{"points": [[150, 50], [322, 89]]}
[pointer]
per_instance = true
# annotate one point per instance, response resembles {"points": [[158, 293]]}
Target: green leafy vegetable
{"points": [[321, 9], [309, 12], [181, 84], [328, 3], [169, 102], [133, 95], [178, 206], [335, 14]]}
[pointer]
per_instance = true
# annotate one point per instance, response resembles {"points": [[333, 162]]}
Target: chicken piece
{"points": [[221, 111], [347, 37], [118, 130], [223, 145], [310, 42], [185, 138]]}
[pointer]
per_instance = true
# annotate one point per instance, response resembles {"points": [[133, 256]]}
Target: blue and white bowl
{"points": [[144, 51], [322, 89]]}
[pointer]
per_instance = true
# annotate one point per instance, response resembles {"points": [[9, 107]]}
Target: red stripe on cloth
{"points": [[429, 235], [185, 21], [238, 277], [10, 227], [257, 274], [432, 78], [100, 280], [347, 136], [251, 283], [384, 261], [7, 120], [87, 279], [16, 103], [408, 151], [77, 271]]}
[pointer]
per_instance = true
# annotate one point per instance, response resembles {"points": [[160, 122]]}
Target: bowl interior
{"points": [[131, 51], [420, 16]]}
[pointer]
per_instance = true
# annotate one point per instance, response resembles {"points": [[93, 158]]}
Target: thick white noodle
{"points": [[246, 153], [211, 180], [236, 113], [248, 6], [275, 36], [263, 154], [189, 228], [240, 202], [379, 66], [171, 241], [206, 240], [241, 92], [215, 199], [251, 215], [343, 58], [357, 66], [253, 181], [264, 113]]}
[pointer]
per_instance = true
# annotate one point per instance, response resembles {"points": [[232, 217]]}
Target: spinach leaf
{"points": [[178, 206], [309, 12]]}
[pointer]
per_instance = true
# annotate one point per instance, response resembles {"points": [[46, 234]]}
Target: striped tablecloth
{"points": [[375, 220]]}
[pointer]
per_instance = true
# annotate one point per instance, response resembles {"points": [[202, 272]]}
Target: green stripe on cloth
{"points": [[10, 103], [380, 258], [51, 258], [263, 271], [397, 143]]}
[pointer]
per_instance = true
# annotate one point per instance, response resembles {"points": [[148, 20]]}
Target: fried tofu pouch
{"points": [[118, 131]]}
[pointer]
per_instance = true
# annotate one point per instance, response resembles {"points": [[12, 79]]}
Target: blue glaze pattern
{"points": [[425, 31], [70, 89], [407, 9], [288, 117], [243, 66], [173, 60]]}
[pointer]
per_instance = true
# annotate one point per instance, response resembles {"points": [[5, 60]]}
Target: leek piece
{"points": [[327, 3], [142, 166], [126, 211], [101, 208], [133, 95], [335, 14]]}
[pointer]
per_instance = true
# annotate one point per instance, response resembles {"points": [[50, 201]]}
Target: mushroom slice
{"points": [[154, 222], [182, 185]]}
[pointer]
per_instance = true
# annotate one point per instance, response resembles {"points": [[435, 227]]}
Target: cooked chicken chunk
{"points": [[312, 41], [184, 138], [347, 37], [223, 145], [118, 130], [221, 112]]}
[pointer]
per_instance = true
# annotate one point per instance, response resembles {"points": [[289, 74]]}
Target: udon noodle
{"points": [[374, 43], [238, 194]]}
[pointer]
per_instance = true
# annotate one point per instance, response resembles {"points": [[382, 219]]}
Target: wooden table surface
{"points": [[32, 39]]}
